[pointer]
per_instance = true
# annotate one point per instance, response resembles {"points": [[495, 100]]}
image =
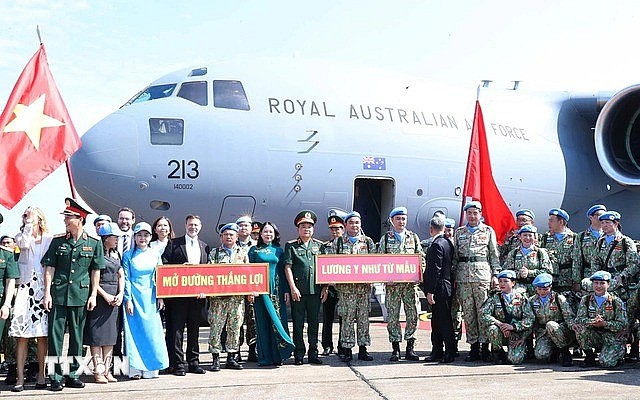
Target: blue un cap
{"points": [[474, 204], [559, 212], [601, 276], [449, 223], [110, 229], [594, 209], [507, 273], [398, 211], [232, 226], [526, 212], [543, 280], [351, 215], [528, 228], [610, 216]]}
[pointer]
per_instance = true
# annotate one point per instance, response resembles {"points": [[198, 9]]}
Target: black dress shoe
{"points": [[315, 360], [74, 383], [297, 361], [41, 386], [17, 388], [197, 370], [56, 386], [434, 357], [179, 371], [327, 351], [447, 358]]}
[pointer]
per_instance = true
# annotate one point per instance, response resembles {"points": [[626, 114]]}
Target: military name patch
{"points": [[87, 248]]}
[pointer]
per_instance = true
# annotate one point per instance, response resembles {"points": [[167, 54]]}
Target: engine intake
{"points": [[617, 137]]}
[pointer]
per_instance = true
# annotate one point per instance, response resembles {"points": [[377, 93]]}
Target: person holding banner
{"points": [[336, 229], [353, 298], [274, 344], [226, 310], [400, 240], [299, 259]]}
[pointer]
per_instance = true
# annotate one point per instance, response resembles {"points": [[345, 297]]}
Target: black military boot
{"points": [[567, 358], [474, 354], [347, 356], [589, 359], [253, 356], [215, 364], [455, 352], [409, 354], [238, 356], [632, 357], [530, 354], [499, 356], [31, 371], [395, 354], [12, 374], [232, 362], [363, 354], [485, 353]]}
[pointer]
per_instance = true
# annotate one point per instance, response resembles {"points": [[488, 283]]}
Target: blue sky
{"points": [[102, 53]]}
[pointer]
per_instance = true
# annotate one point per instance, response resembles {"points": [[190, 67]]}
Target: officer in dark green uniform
{"points": [[73, 263], [8, 274], [300, 270]]}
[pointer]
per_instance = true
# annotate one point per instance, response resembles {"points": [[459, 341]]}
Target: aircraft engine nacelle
{"points": [[617, 137]]}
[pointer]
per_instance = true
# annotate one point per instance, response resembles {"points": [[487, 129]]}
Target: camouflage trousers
{"points": [[223, 310], [472, 296], [398, 293], [516, 347], [456, 318], [633, 310], [612, 348], [553, 334], [354, 307], [250, 322]]}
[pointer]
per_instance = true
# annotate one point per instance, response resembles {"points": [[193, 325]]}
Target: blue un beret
{"points": [[610, 216], [543, 280], [526, 212], [528, 228], [474, 204], [595, 209], [244, 218], [351, 215], [398, 211], [559, 212], [449, 223], [232, 226], [110, 229], [601, 276], [507, 273]]}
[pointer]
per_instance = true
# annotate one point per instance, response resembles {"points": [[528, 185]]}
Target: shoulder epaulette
{"points": [[59, 235]]}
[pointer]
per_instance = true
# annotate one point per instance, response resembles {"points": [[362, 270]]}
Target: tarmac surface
{"points": [[378, 379]]}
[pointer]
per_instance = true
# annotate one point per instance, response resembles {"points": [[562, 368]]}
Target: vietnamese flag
{"points": [[479, 184], [36, 132]]}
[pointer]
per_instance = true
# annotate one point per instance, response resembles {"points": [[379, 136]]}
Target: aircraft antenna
{"points": [[38, 32]]}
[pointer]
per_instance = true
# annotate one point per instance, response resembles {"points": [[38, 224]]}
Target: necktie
{"points": [[125, 244]]}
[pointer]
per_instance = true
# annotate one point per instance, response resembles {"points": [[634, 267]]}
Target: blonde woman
{"points": [[29, 317]]}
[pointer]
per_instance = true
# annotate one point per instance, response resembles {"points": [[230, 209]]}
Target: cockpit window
{"points": [[194, 91], [229, 94], [166, 131], [153, 93]]}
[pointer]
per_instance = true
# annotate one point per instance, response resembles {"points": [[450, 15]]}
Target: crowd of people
{"points": [[537, 295]]}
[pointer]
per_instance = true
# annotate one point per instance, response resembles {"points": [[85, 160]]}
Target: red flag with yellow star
{"points": [[36, 132]]}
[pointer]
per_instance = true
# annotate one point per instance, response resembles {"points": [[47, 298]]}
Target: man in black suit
{"points": [[185, 311], [437, 287]]}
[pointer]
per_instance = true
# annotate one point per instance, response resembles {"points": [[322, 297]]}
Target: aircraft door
{"points": [[233, 207], [373, 198]]}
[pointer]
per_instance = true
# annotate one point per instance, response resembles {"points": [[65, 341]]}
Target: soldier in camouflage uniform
{"points": [[475, 267], [559, 242], [245, 242], [617, 254], [528, 260], [353, 298], [508, 319], [512, 241], [226, 310], [585, 247], [601, 323], [553, 320], [400, 240]]}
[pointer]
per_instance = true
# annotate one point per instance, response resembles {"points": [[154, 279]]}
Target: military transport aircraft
{"points": [[271, 138]]}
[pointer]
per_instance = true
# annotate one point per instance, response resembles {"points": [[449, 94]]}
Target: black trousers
{"points": [[441, 324], [180, 313], [328, 316]]}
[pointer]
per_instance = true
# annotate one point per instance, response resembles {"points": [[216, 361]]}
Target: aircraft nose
{"points": [[106, 160]]}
